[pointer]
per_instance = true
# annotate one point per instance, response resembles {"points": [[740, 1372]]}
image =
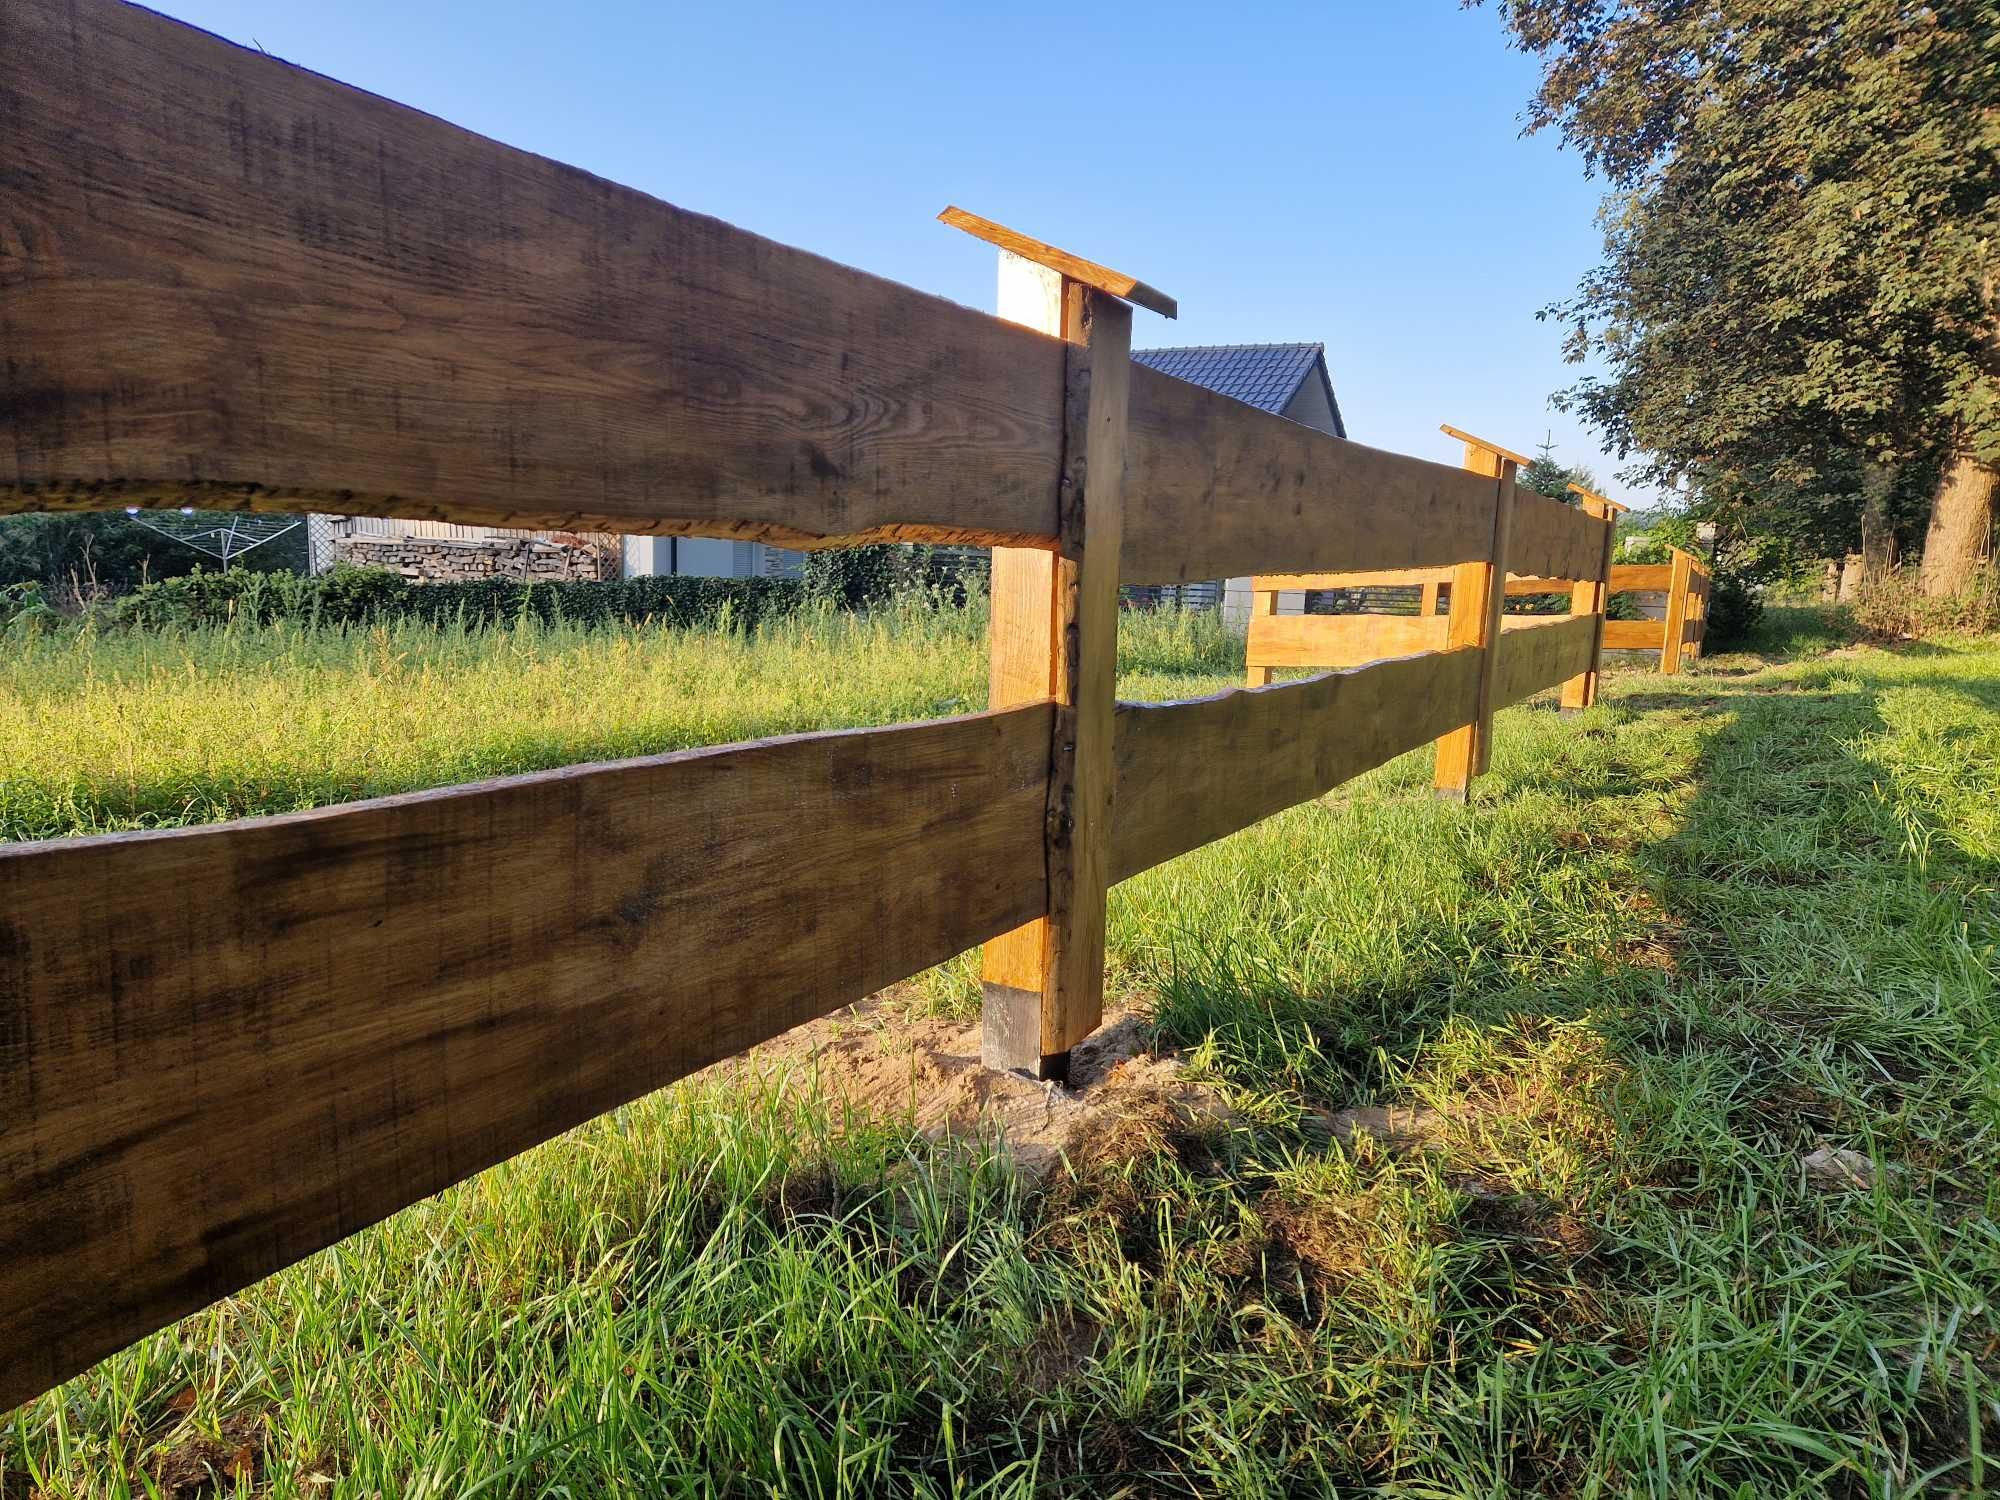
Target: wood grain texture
{"points": [[1605, 505], [1487, 446], [1633, 635], [1074, 267], [1478, 599], [1026, 665], [1589, 596], [1543, 655], [1082, 776], [1641, 578], [1190, 773], [1364, 578], [1554, 540], [1218, 489], [224, 1048], [1673, 632], [1263, 605], [232, 283], [1458, 748], [1341, 640], [1032, 593]]}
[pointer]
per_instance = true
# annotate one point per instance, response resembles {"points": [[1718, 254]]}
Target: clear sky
{"points": [[1347, 172]]}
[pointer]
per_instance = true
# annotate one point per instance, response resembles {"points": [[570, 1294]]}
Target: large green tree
{"points": [[1797, 304]]}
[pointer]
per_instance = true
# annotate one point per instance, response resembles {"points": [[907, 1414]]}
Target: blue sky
{"points": [[1346, 172]]}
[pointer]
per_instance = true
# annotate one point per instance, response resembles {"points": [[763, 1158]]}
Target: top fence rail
{"points": [[395, 316]]}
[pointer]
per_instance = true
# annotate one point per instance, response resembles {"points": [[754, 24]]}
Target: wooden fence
{"points": [[1685, 584], [1531, 532], [228, 282]]}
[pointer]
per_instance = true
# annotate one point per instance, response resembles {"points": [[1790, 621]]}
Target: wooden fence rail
{"points": [[228, 282], [1684, 584], [1555, 547]]}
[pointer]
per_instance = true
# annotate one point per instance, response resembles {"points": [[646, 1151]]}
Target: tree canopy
{"points": [[1795, 309]]}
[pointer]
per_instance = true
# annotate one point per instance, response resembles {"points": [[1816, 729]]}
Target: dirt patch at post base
{"points": [[874, 1058]]}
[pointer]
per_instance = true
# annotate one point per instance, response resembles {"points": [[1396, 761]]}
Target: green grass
{"points": [[1673, 946], [100, 733]]}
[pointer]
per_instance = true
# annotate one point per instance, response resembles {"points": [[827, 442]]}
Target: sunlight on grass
{"points": [[1675, 945]]}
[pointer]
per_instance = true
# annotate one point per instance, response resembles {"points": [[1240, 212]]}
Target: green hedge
{"points": [[349, 594]]}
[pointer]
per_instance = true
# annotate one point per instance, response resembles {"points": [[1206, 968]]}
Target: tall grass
{"points": [[143, 729], [1674, 946]]}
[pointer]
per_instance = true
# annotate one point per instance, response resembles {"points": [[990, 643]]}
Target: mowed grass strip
{"points": [[1678, 949]]}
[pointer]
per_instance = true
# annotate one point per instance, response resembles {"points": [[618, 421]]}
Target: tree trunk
{"points": [[1961, 525]]}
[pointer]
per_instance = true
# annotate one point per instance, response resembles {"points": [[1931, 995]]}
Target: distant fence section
{"points": [[1679, 634], [232, 283], [1555, 547]]}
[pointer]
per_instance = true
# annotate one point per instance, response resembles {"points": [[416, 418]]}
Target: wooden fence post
{"points": [[1478, 596], [1677, 604], [1262, 602], [1054, 635], [1591, 596]]}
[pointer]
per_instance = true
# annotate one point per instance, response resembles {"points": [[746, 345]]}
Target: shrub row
{"points": [[348, 594]]}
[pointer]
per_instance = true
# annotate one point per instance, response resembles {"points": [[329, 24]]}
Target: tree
{"points": [[1797, 300], [93, 552], [1547, 477]]}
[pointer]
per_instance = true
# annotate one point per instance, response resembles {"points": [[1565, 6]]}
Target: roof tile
{"points": [[1266, 376]]}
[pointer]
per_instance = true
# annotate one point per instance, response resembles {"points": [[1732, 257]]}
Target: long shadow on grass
{"points": [[1620, 1052]]}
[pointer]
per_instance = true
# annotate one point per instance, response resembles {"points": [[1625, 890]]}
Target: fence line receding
{"points": [[231, 283]]}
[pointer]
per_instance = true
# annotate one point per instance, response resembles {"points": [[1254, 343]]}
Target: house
{"points": [[707, 557], [1287, 380]]}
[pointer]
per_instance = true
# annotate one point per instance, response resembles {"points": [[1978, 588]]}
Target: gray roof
{"points": [[1267, 376]]}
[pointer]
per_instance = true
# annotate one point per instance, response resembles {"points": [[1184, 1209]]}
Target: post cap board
{"points": [[1603, 500], [1479, 442], [1075, 267]]}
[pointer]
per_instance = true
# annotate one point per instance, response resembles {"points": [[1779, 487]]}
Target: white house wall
{"points": [[706, 557]]}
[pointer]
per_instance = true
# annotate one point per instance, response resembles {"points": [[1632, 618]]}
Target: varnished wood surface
{"points": [[1542, 655], [227, 1047], [1479, 598], [1074, 267], [1673, 631], [1633, 635], [1341, 640], [1364, 578], [1641, 578], [1487, 445], [1219, 489], [1588, 596], [1554, 540], [1082, 779], [1190, 773], [229, 282], [1605, 505]]}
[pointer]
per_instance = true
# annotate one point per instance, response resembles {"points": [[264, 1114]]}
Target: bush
{"points": [[351, 594], [1895, 606], [1734, 608], [892, 574], [26, 604], [82, 556]]}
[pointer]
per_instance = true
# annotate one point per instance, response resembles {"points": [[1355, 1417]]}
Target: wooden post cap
{"points": [[1075, 267], [1604, 500], [1479, 442]]}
